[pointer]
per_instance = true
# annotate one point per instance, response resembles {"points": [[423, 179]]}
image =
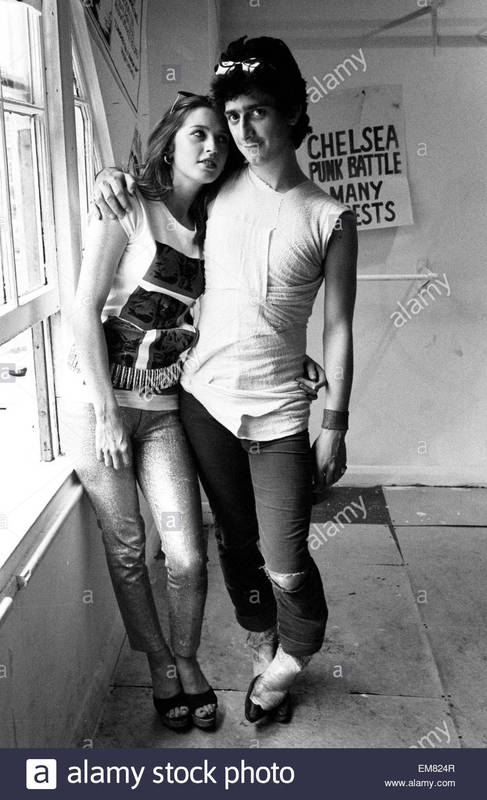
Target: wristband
{"points": [[335, 420]]}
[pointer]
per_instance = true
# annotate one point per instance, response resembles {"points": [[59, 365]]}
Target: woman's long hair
{"points": [[155, 178]]}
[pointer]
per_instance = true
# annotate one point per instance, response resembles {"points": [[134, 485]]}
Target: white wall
{"points": [[59, 643], [424, 381], [182, 45]]}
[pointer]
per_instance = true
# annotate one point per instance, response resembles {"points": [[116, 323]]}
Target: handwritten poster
{"points": [[357, 153], [117, 26]]}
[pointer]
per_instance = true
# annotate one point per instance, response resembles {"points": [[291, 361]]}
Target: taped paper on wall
{"points": [[117, 24], [357, 153]]}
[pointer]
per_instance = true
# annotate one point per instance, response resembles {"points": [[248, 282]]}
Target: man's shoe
{"points": [[253, 712], [284, 711]]}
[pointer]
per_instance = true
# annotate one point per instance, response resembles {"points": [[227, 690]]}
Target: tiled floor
{"points": [[405, 661]]}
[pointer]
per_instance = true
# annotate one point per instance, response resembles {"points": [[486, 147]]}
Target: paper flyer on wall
{"points": [[357, 152], [118, 23]]}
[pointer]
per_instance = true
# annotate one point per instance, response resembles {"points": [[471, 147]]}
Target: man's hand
{"points": [[313, 378], [111, 194], [329, 461]]}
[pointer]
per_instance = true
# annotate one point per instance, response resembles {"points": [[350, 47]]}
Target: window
{"points": [[38, 168], [26, 212], [29, 297], [29, 294], [28, 281]]}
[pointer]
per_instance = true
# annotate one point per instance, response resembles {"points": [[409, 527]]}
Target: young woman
{"points": [[133, 327]]}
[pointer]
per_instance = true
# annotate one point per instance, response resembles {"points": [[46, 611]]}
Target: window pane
{"points": [[78, 89], [19, 426], [84, 160], [3, 256], [5, 246], [15, 66], [76, 86], [3, 280], [24, 201], [84, 145]]}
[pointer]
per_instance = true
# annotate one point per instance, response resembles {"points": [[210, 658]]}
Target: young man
{"points": [[272, 237]]}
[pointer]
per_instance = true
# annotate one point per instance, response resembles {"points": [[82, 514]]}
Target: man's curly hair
{"points": [[278, 75]]}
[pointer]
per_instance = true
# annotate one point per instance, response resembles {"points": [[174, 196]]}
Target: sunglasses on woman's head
{"points": [[177, 98]]}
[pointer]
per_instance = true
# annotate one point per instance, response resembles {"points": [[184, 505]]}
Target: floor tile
{"points": [[404, 663], [430, 505], [365, 543], [374, 631], [349, 500], [448, 566], [375, 640], [328, 720]]}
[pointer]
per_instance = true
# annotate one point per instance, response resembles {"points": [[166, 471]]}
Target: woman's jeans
{"points": [[163, 467], [262, 490]]}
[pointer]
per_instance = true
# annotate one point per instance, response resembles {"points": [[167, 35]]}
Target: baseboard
{"points": [[399, 475]]}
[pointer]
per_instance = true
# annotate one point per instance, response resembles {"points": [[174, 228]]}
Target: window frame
{"points": [[22, 312], [48, 312], [82, 103]]}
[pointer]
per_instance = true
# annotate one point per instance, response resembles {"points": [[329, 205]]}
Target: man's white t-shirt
{"points": [[264, 255]]}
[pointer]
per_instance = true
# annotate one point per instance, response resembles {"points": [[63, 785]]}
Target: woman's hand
{"points": [[111, 194], [313, 378], [329, 461], [112, 442]]}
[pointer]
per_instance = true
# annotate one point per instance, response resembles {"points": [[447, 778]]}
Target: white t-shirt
{"points": [[264, 255], [147, 317]]}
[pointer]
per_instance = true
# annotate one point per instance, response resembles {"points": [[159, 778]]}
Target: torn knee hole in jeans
{"points": [[287, 581]]}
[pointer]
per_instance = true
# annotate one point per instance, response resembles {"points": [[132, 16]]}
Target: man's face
{"points": [[260, 131]]}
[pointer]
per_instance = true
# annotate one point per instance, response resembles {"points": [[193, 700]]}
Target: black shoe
{"points": [[281, 713], [284, 711], [253, 712], [165, 704], [195, 701]]}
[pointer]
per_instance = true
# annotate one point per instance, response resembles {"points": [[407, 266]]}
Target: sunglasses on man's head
{"points": [[247, 65]]}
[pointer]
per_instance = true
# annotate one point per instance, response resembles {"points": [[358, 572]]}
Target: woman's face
{"points": [[200, 148]]}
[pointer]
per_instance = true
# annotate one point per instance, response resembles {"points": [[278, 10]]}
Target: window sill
{"points": [[27, 490], [34, 522]]}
